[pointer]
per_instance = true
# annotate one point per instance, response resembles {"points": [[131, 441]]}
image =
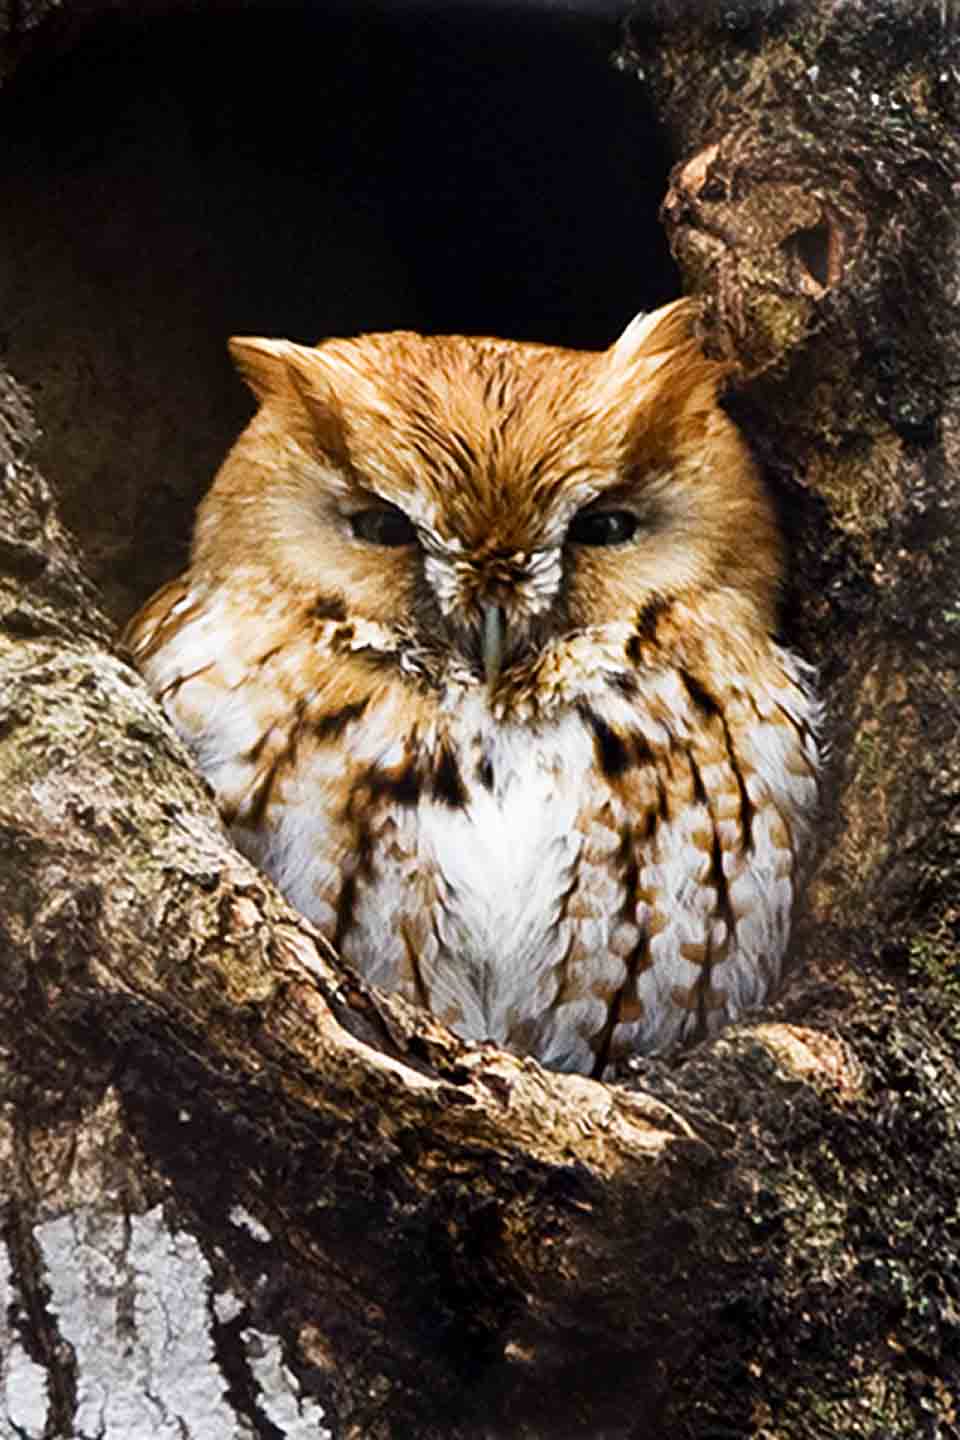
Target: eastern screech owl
{"points": [[475, 649]]}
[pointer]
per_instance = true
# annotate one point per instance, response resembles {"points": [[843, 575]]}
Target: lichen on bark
{"points": [[756, 1239]]}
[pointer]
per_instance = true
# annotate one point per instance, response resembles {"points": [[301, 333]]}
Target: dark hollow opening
{"points": [[812, 249], [300, 173]]}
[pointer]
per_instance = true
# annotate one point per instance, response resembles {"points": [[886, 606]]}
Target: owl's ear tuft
{"points": [[649, 336], [275, 368], [660, 361], [306, 374], [261, 363]]}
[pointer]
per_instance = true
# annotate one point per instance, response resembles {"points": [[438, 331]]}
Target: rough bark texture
{"points": [[245, 1196]]}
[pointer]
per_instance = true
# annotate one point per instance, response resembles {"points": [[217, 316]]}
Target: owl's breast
{"points": [[453, 866], [613, 875]]}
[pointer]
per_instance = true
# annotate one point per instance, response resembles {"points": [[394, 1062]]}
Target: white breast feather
{"points": [[500, 866]]}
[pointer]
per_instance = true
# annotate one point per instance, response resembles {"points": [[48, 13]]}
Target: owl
{"points": [[475, 648]]}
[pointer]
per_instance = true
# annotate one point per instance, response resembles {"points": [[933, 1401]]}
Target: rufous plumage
{"points": [[476, 647]]}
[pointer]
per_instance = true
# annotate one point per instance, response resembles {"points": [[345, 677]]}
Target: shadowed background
{"points": [[299, 172]]}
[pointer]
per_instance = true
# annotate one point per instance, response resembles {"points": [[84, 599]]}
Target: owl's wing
{"points": [[156, 621], [210, 673], [714, 813], [250, 691]]}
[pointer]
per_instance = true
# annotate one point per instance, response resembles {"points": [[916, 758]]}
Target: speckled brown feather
{"points": [[598, 849]]}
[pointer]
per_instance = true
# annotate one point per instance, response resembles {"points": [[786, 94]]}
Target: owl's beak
{"points": [[494, 642]]}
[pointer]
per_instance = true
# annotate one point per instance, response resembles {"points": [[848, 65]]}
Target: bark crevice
{"points": [[443, 1241]]}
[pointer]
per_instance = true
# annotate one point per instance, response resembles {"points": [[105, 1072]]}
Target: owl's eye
{"points": [[386, 526], [603, 527]]}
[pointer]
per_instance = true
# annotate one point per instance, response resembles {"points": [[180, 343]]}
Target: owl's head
{"points": [[480, 497]]}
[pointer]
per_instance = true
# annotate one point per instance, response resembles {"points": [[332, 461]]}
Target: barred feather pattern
{"points": [[593, 854]]}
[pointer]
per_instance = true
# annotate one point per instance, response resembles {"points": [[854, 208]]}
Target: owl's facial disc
{"points": [[496, 608]]}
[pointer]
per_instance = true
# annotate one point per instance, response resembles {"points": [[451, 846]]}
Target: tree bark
{"points": [[244, 1194]]}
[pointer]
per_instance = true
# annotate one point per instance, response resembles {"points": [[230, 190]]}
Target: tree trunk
{"points": [[245, 1195]]}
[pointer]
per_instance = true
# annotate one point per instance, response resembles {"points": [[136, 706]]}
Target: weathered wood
{"points": [[241, 1156]]}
